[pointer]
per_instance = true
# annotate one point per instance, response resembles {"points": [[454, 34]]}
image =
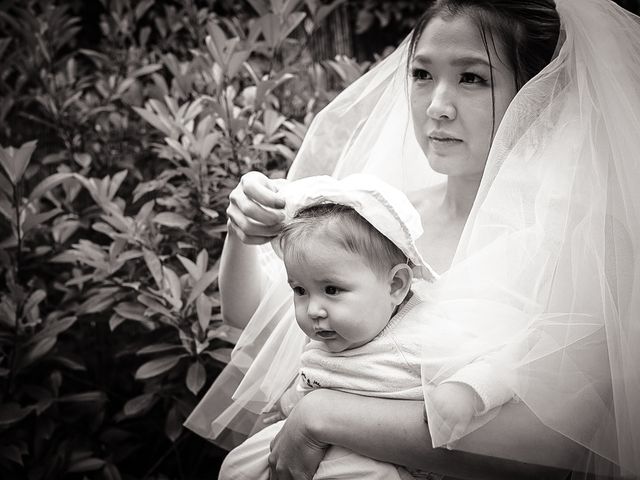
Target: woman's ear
{"points": [[401, 277]]}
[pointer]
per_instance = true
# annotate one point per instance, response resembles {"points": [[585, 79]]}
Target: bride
{"points": [[514, 128]]}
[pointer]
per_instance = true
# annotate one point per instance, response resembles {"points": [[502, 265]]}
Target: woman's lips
{"points": [[445, 140]]}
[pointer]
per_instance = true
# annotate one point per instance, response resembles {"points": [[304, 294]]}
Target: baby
{"points": [[350, 257]]}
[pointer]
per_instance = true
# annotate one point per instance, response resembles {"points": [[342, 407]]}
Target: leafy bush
{"points": [[111, 225]]}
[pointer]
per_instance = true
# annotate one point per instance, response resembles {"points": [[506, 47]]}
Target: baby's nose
{"points": [[316, 310]]}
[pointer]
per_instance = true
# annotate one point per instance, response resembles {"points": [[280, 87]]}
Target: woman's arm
{"points": [[394, 431], [240, 280], [255, 217]]}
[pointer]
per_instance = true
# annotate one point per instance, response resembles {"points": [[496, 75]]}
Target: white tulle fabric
{"points": [[548, 257]]}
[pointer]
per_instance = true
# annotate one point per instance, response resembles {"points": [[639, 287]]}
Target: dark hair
{"points": [[343, 226], [528, 30]]}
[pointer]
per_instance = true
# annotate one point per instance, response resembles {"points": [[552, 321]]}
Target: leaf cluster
{"points": [[112, 220]]}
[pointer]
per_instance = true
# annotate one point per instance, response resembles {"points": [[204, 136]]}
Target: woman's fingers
{"points": [[261, 190], [255, 209], [249, 226], [260, 237], [295, 454]]}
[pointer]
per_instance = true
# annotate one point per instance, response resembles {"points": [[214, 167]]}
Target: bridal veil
{"points": [[546, 273]]}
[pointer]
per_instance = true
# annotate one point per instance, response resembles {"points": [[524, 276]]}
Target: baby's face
{"points": [[338, 299]]}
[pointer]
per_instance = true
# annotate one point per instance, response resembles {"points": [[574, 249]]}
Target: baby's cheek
{"points": [[351, 326]]}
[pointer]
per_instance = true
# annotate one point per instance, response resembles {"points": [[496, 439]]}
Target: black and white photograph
{"points": [[319, 240]]}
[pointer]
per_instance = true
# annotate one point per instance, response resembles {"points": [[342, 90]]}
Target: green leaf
{"points": [[227, 333], [39, 350], [131, 311], [202, 284], [290, 24], [11, 453], [189, 267], [87, 465], [203, 309], [170, 219], [11, 413], [173, 424], [146, 70], [124, 85], [92, 397], [69, 363], [210, 213], [202, 261], [4, 43], [157, 367], [53, 328], [8, 211], [155, 307], [154, 265], [139, 405], [34, 299], [100, 301], [5, 185], [111, 472], [49, 183], [32, 220], [236, 61], [15, 162], [142, 8], [7, 313], [175, 288], [222, 355], [260, 6], [196, 377], [159, 347], [115, 183], [115, 321], [162, 124], [215, 43]]}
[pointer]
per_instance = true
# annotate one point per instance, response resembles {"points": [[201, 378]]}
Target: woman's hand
{"points": [[255, 209], [295, 452], [455, 404]]}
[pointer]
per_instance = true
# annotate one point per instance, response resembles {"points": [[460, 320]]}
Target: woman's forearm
{"points": [[240, 281], [394, 431]]}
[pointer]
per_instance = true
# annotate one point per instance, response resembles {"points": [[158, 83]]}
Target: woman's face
{"points": [[451, 104]]}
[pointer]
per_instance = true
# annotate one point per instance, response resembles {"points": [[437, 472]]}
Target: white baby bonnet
{"points": [[386, 208]]}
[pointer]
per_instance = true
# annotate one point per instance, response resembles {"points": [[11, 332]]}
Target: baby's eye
{"points": [[420, 74], [331, 290], [298, 290], [472, 78]]}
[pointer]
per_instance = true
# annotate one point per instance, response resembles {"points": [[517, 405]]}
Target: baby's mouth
{"points": [[325, 334]]}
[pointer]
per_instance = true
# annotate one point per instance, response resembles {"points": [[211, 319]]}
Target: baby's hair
{"points": [[344, 227]]}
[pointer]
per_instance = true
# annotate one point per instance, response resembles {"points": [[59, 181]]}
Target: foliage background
{"points": [[124, 124]]}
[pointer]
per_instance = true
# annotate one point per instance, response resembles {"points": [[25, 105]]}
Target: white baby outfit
{"points": [[389, 366]]}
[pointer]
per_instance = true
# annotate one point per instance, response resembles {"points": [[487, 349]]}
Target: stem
{"points": [[178, 462], [16, 206], [18, 263], [234, 150], [171, 449]]}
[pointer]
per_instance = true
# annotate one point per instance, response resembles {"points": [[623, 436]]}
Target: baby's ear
{"points": [[401, 277]]}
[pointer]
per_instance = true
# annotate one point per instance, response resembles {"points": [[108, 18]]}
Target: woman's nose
{"points": [[441, 106]]}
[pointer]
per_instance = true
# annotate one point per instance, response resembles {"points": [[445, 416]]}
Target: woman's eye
{"points": [[298, 291], [331, 290], [420, 74], [471, 78]]}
